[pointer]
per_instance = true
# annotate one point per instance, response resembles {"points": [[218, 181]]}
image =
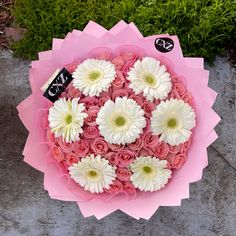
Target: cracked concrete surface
{"points": [[26, 209], [223, 80]]}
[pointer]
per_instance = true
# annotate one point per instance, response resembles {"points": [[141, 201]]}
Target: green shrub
{"points": [[204, 27]]}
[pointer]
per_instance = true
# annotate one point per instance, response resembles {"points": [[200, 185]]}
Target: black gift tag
{"points": [[164, 44], [58, 85]]}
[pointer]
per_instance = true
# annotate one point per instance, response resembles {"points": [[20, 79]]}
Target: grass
{"points": [[204, 28]]}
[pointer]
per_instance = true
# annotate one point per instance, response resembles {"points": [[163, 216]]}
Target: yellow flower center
{"points": [[120, 121], [68, 119], [92, 174], [172, 123], [147, 169], [94, 75], [150, 79]]}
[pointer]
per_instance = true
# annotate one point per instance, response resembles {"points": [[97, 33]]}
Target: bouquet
{"points": [[118, 121]]}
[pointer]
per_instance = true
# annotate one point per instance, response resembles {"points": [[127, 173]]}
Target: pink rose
{"points": [[71, 67], [188, 98], [174, 149], [127, 66], [118, 81], [101, 53], [160, 151], [168, 166], [150, 140], [129, 188], [66, 147], [51, 136], [129, 56], [63, 95], [64, 166], [112, 158], [73, 92], [92, 115], [123, 174], [89, 101], [115, 187], [148, 108], [81, 148], [115, 147], [126, 156], [99, 146], [179, 88], [168, 158], [104, 96], [147, 128], [71, 158], [136, 145], [137, 99], [68, 87], [177, 161], [174, 94], [118, 62], [175, 79], [120, 93], [91, 132], [129, 90], [185, 146], [143, 152], [157, 102], [57, 153], [103, 56], [110, 91]]}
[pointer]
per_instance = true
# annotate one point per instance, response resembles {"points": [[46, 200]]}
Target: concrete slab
{"points": [[223, 80], [26, 209]]}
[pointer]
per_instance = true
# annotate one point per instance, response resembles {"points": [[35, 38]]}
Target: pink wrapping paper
{"points": [[81, 45]]}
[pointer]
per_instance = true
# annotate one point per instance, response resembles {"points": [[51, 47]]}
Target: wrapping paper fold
{"points": [[78, 45]]}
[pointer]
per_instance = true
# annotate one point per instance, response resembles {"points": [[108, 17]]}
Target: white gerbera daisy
{"points": [[66, 117], [93, 173], [151, 78], [149, 173], [94, 76], [173, 120], [121, 122]]}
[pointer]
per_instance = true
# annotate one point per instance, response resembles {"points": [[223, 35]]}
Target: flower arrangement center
{"points": [[120, 121], [94, 75], [120, 125]]}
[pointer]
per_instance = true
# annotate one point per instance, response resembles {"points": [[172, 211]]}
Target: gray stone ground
{"points": [[26, 209]]}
